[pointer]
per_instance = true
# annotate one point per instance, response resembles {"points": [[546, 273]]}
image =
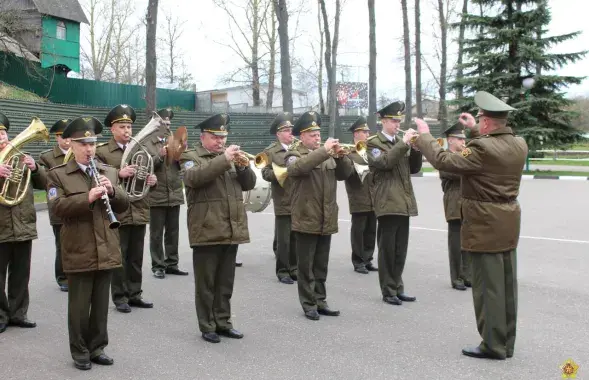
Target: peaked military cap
{"points": [[83, 129], [120, 114], [4, 122], [395, 110], [59, 126], [455, 130], [166, 113], [282, 120], [309, 121], [491, 106], [359, 125], [217, 124]]}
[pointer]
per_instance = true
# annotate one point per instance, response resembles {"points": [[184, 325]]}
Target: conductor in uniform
{"points": [[18, 229], [90, 249], [491, 168], [50, 159], [363, 231], [459, 260], [217, 223], [126, 283], [314, 171], [392, 160], [284, 244]]}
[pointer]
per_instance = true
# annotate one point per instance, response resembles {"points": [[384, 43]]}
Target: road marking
{"points": [[443, 230]]}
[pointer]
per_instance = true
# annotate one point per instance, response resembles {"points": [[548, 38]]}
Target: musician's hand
{"points": [[163, 151], [95, 193], [330, 143], [105, 182], [410, 133], [128, 171], [5, 170], [467, 120], [231, 152], [151, 180], [30, 162]]}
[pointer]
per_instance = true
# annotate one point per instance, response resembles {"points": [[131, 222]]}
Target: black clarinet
{"points": [[114, 223]]}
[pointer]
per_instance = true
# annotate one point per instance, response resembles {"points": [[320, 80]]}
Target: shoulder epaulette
{"points": [[46, 151], [372, 137], [58, 166], [102, 144], [271, 145]]}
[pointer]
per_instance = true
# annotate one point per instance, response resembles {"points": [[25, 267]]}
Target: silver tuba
{"points": [[136, 154]]}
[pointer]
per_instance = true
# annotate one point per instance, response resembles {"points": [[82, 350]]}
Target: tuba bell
{"points": [[20, 176]]}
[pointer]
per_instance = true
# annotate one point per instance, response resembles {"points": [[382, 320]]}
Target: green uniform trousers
{"points": [[88, 313], [15, 266], [313, 258], [163, 231], [393, 240], [214, 275], [363, 238], [459, 259], [60, 277], [494, 292], [126, 281], [284, 247]]}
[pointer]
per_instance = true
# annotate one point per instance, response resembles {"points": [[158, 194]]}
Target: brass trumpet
{"points": [[413, 139], [243, 159]]}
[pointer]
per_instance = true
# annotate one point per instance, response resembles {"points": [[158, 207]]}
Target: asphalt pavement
{"points": [[544, 167], [370, 340]]}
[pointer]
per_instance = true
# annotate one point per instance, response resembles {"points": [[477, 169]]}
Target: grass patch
{"points": [[560, 162], [10, 92], [40, 196]]}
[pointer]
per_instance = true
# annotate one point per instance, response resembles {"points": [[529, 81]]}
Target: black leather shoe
{"points": [[102, 359], [406, 298], [294, 277], [83, 365], [176, 271], [211, 337], [286, 280], [140, 303], [123, 308], [394, 300], [159, 274], [459, 286], [238, 263], [476, 352], [312, 315], [2, 327], [468, 284], [327, 311], [361, 270], [231, 333], [371, 267], [24, 323], [63, 287]]}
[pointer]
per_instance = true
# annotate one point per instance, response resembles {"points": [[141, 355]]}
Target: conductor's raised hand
{"points": [[467, 120]]}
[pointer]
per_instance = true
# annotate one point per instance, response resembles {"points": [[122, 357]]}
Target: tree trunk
{"points": [[320, 74], [407, 46], [272, 64], [372, 67], [150, 58], [333, 111], [461, 31], [255, 49], [327, 53], [418, 94], [443, 110], [285, 72]]}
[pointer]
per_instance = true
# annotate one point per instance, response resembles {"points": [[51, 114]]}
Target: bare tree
{"points": [[122, 33], [331, 45], [320, 68], [461, 32], [407, 49], [172, 31], [134, 60], [443, 110], [418, 93], [102, 24], [280, 8], [372, 66], [150, 57], [270, 29]]}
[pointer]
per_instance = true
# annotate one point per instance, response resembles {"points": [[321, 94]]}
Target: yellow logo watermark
{"points": [[569, 369]]}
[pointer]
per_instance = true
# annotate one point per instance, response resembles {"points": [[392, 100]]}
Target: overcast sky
{"points": [[206, 29]]}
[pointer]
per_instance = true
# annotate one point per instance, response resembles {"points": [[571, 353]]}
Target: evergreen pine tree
{"points": [[510, 43]]}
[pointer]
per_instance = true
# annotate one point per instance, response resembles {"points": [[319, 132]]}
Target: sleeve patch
{"points": [[188, 164], [52, 193], [375, 152], [291, 160], [466, 152]]}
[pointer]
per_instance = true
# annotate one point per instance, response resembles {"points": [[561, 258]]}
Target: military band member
{"points": [[49, 159], [314, 174], [18, 229], [217, 223], [284, 244], [363, 231], [491, 168], [459, 260], [90, 249], [165, 200], [392, 160], [126, 281]]}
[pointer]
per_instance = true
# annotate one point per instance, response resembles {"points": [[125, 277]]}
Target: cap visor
{"points": [[86, 139]]}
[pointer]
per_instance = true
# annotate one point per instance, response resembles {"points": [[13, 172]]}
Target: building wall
{"points": [[55, 51], [239, 96]]}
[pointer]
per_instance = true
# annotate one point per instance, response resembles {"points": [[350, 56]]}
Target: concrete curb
{"points": [[40, 206], [525, 176]]}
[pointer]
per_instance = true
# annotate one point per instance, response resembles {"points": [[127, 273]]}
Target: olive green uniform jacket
{"points": [[280, 195], [491, 169], [359, 193], [138, 212], [391, 165], [314, 176], [87, 243], [50, 159], [214, 195], [451, 189], [19, 222]]}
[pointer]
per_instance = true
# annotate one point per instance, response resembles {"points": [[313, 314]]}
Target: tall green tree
{"points": [[508, 43]]}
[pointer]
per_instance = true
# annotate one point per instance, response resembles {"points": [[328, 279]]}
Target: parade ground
{"points": [[369, 340]]}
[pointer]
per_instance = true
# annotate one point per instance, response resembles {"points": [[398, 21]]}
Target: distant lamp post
{"points": [[528, 83]]}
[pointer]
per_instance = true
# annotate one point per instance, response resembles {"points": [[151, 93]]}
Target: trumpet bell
{"points": [[261, 160], [280, 173]]}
